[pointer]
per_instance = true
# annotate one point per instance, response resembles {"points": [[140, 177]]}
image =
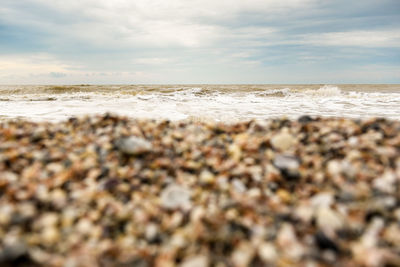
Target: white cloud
{"points": [[372, 73], [153, 61], [45, 69], [384, 38], [28, 64], [123, 23]]}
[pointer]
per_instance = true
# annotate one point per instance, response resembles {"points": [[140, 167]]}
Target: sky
{"points": [[199, 41]]}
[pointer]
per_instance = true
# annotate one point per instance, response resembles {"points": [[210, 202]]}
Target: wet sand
{"points": [[110, 191]]}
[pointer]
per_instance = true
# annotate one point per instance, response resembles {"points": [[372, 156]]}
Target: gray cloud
{"points": [[196, 40], [57, 74]]}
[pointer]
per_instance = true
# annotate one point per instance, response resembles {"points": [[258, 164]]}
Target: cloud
{"points": [[140, 23], [384, 38], [45, 69], [27, 64], [57, 74], [192, 40]]}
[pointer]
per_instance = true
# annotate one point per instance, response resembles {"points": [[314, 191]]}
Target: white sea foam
{"points": [[325, 91], [220, 103]]}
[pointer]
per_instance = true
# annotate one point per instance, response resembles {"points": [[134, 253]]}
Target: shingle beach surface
{"points": [[111, 191]]}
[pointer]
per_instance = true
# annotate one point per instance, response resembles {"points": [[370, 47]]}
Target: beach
{"points": [[109, 190], [199, 133]]}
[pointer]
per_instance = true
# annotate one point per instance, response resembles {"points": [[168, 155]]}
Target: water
{"points": [[226, 103]]}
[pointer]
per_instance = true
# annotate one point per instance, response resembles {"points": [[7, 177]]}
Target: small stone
{"points": [[223, 183], [254, 193], [323, 199], [386, 182], [334, 167], [243, 254], [304, 213], [50, 235], [235, 152], [238, 186], [68, 216], [9, 176], [288, 242], [6, 212], [349, 169], [196, 261], [49, 219], [288, 165], [324, 242], [133, 145], [305, 119], [256, 172], [329, 219], [397, 214], [286, 162], [27, 210], [178, 240], [371, 234], [151, 231], [283, 140], [175, 196], [286, 235], [207, 177], [13, 247], [84, 226], [392, 234], [58, 197], [284, 195], [353, 155], [353, 141], [197, 214], [267, 252], [42, 193]]}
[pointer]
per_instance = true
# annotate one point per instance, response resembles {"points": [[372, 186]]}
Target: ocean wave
{"points": [[218, 102], [275, 92], [325, 91]]}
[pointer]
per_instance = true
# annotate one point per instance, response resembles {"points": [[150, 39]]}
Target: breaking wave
{"points": [[214, 102], [325, 91]]}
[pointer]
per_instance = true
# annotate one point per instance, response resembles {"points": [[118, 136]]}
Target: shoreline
{"points": [[110, 191]]}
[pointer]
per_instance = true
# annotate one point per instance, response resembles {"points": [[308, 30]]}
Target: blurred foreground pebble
{"points": [[109, 191]]}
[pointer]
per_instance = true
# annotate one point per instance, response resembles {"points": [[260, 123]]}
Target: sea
{"points": [[224, 103]]}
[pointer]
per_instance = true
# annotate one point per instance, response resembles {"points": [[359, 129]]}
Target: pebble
{"points": [[196, 261], [49, 219], [6, 212], [323, 199], [283, 140], [175, 196], [325, 243], [334, 168], [267, 252], [84, 226], [288, 242], [386, 183], [12, 248], [134, 145], [207, 177], [283, 162], [238, 186], [288, 165], [328, 219], [243, 254], [151, 231], [50, 235]]}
